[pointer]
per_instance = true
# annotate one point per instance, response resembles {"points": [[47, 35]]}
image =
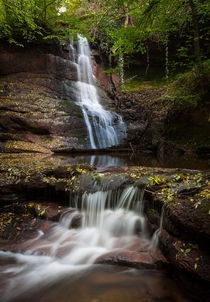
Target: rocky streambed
{"points": [[36, 192]]}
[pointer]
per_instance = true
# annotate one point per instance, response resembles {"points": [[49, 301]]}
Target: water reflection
{"points": [[148, 160], [96, 160], [113, 160], [108, 284]]}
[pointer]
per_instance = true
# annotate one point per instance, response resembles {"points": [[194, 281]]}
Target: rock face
{"points": [[106, 82], [38, 110], [184, 238], [155, 123], [37, 104]]}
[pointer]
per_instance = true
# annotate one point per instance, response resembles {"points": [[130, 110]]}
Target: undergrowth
{"points": [[190, 88], [187, 90]]}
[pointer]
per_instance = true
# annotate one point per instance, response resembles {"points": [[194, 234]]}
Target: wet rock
{"points": [[45, 226], [76, 221], [17, 227], [73, 216], [106, 82], [130, 259], [8, 198], [38, 111], [158, 258], [188, 260], [194, 222], [48, 211], [185, 218]]}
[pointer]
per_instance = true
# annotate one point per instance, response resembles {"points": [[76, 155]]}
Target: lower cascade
{"points": [[105, 128], [110, 221]]}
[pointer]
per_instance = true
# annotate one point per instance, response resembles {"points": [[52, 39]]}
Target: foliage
{"points": [[120, 27], [128, 27], [27, 20], [186, 87]]}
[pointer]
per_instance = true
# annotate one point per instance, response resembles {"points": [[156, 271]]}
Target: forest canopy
{"points": [[120, 27]]}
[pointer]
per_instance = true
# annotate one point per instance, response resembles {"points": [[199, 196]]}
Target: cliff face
{"points": [[155, 123], [37, 99], [38, 110]]}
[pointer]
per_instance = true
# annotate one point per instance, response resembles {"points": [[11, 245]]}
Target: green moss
{"points": [[14, 146], [191, 88], [138, 85]]}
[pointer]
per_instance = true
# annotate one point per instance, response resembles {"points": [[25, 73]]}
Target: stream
{"points": [[78, 264], [139, 159], [63, 263]]}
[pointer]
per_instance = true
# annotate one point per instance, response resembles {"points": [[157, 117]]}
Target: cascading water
{"points": [[58, 265], [155, 237], [105, 128], [107, 213], [108, 224]]}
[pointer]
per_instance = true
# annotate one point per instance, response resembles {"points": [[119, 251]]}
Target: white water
{"points": [[105, 128], [108, 224], [105, 161], [155, 237]]}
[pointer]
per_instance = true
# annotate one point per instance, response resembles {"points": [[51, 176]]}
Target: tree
{"points": [[122, 27], [26, 20], [155, 20]]}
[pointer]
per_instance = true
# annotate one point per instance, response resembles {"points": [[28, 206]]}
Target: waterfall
{"points": [[110, 222], [105, 128], [155, 237], [115, 212]]}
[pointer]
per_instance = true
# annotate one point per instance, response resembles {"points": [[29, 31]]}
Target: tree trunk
{"points": [[126, 15]]}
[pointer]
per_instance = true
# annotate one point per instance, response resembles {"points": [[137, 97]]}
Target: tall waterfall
{"points": [[105, 128]]}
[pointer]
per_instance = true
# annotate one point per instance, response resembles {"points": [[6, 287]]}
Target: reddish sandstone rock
{"points": [[38, 111], [186, 257], [48, 211], [106, 82], [131, 259]]}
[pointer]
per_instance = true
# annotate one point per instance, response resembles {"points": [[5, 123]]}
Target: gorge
{"points": [[64, 219]]}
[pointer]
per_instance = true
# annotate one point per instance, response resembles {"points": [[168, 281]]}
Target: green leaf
{"points": [[194, 246], [42, 213]]}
